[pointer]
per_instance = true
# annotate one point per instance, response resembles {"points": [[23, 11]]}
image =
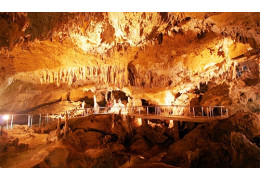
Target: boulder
{"points": [[247, 123], [82, 140], [98, 122], [104, 158], [57, 155], [245, 154], [209, 145], [205, 146], [140, 146], [52, 137], [99, 158], [154, 135], [51, 157]]}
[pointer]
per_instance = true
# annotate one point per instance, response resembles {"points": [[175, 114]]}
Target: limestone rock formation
{"points": [[244, 153], [210, 145], [55, 64]]}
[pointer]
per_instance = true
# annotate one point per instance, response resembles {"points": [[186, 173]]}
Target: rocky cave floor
{"points": [[117, 141]]}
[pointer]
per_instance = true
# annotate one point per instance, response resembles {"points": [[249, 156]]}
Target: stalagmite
{"points": [[45, 77], [51, 78]]}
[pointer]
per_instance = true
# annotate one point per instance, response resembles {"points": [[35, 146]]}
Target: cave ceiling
{"points": [[46, 55]]}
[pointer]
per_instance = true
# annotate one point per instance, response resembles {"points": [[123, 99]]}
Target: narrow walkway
{"points": [[163, 112]]}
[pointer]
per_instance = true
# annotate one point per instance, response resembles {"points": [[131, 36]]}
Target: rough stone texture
{"points": [[46, 56], [245, 154], [247, 123], [82, 140], [139, 145], [58, 155], [209, 145], [51, 62], [154, 135], [104, 158]]}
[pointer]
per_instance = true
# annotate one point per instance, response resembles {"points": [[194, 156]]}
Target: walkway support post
{"points": [[221, 112]]}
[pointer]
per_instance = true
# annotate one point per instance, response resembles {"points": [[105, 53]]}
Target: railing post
{"points": [[147, 110], [139, 110], [12, 120], [202, 111], [47, 118], [189, 111], [212, 112], [221, 112], [193, 112]]}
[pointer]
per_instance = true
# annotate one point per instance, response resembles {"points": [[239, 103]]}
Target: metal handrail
{"points": [[159, 110]]}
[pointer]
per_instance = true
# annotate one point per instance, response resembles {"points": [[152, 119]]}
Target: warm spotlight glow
{"points": [[139, 121], [169, 98], [118, 107], [171, 124], [6, 117]]}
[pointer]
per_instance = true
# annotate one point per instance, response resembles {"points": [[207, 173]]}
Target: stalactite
{"points": [[44, 77], [51, 77]]}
